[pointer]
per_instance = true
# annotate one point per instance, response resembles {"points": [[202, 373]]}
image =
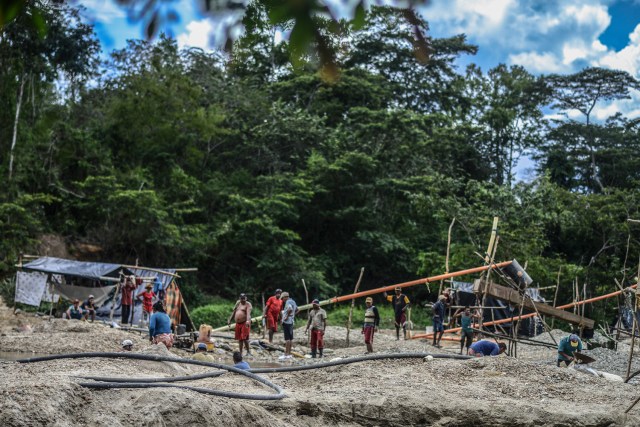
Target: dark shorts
{"points": [[368, 334], [288, 331], [401, 319], [437, 325], [468, 336]]}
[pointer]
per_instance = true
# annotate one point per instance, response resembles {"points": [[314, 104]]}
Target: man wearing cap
{"points": [[201, 354], [271, 313], [288, 318], [74, 311], [242, 315], [127, 345], [371, 323], [400, 303], [567, 347], [318, 323], [438, 320], [487, 348], [147, 302], [89, 308]]}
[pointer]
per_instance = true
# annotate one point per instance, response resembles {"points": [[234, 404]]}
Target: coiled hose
{"points": [[109, 383]]}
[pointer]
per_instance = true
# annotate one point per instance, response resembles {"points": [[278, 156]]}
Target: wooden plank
{"points": [[513, 297]]}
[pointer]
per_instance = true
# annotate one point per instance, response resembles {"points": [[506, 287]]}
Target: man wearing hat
{"points": [[288, 318], [74, 311], [242, 315], [201, 354], [400, 303], [147, 302], [567, 347], [127, 345], [89, 308], [318, 323], [371, 323], [271, 313]]}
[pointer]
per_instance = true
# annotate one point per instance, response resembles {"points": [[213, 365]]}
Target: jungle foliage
{"points": [[261, 174]]}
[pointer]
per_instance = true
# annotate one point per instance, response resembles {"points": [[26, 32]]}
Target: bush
{"points": [[338, 316], [215, 314]]}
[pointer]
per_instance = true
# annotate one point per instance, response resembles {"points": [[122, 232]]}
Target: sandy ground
{"points": [[500, 391]]}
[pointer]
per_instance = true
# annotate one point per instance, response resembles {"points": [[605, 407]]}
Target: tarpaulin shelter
{"points": [[464, 295], [78, 279]]}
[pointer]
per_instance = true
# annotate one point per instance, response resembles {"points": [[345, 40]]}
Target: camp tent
{"points": [[45, 278]]}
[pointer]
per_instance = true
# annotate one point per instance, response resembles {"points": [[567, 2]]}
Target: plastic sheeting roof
{"points": [[89, 270]]}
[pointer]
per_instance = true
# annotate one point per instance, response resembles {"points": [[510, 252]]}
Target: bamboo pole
{"points": [[389, 288], [526, 316], [156, 270], [353, 303], [555, 296], [446, 259]]}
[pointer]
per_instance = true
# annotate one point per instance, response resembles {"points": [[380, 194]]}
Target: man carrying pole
{"points": [[400, 303]]}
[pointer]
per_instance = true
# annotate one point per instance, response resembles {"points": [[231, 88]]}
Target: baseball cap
{"points": [[315, 301], [369, 299], [91, 296], [574, 340], [127, 343], [243, 296], [202, 346], [284, 295], [278, 291], [398, 288]]}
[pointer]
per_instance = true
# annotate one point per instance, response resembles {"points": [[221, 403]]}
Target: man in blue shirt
{"points": [[160, 326], [486, 348], [567, 347], [238, 362], [438, 320], [288, 318]]}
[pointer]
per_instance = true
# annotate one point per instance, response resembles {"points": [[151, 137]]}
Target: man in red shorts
{"points": [[371, 322], [271, 313], [242, 315]]}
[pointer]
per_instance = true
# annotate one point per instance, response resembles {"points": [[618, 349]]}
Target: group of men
{"points": [[279, 309], [81, 311]]}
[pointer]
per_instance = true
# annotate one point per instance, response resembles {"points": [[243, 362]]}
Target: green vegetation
{"points": [[262, 175]]}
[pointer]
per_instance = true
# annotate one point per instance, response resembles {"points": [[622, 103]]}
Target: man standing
{"points": [[318, 322], [400, 303], [127, 298], [89, 308], [242, 315], [438, 320], [288, 318], [466, 321], [371, 323], [567, 347], [271, 313], [486, 348]]}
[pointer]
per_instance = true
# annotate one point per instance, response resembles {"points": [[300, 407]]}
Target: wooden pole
{"points": [[446, 259], [113, 303], [635, 324], [186, 310], [489, 257], [262, 324], [156, 270], [389, 288], [555, 296], [353, 303]]}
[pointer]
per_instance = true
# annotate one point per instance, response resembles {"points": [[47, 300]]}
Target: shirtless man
{"points": [[242, 316]]}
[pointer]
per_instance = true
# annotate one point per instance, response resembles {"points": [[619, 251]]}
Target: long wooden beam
{"points": [[389, 288], [512, 296], [526, 316]]}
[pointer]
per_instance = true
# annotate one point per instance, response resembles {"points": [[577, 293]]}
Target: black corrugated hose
{"points": [[108, 383]]}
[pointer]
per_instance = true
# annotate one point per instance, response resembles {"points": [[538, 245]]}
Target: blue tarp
{"points": [[67, 267]]}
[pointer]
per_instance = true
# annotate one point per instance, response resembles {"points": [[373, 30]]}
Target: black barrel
{"points": [[517, 274]]}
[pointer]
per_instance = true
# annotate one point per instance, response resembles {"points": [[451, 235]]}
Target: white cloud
{"points": [[628, 59], [198, 34], [545, 62], [104, 11]]}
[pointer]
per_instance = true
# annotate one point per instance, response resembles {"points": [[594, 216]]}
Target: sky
{"points": [[544, 36]]}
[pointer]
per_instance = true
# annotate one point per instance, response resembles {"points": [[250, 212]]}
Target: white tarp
{"points": [[30, 287], [70, 292]]}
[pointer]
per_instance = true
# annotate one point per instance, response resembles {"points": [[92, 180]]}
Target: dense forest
{"points": [[260, 172]]}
